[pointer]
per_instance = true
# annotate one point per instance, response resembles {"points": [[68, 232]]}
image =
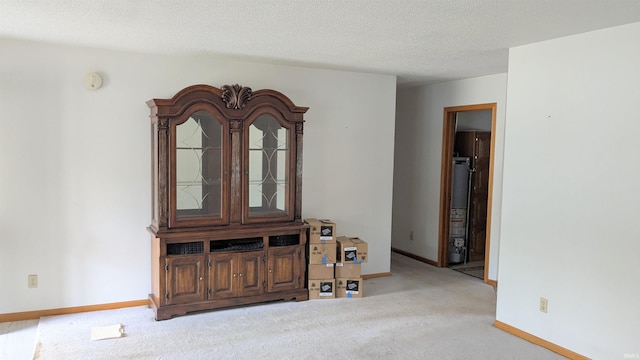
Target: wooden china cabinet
{"points": [[226, 224]]}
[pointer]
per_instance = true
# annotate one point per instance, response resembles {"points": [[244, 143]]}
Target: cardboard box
{"points": [[321, 271], [321, 231], [322, 289], [322, 253], [351, 250], [347, 270], [349, 288]]}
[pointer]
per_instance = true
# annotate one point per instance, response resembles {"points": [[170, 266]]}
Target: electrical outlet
{"points": [[33, 281], [411, 235], [543, 305]]}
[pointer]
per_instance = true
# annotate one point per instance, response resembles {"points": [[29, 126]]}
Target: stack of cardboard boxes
{"points": [[321, 258], [351, 252], [333, 262]]}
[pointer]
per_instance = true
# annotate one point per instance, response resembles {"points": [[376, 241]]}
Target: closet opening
{"points": [[466, 183]]}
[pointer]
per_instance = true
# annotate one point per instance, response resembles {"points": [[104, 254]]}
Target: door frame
{"points": [[448, 138]]}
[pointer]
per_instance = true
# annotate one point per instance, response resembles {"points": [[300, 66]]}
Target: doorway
{"points": [[465, 232]]}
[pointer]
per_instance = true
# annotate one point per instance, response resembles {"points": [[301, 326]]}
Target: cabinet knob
{"points": [[234, 275], [270, 271], [240, 274], [200, 278]]}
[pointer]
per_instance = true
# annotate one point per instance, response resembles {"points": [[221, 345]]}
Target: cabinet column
{"points": [[236, 176], [163, 172], [298, 170]]}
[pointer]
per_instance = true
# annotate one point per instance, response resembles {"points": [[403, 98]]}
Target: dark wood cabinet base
{"points": [[169, 311]]}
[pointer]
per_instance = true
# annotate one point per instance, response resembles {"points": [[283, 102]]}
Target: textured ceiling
{"points": [[419, 41]]}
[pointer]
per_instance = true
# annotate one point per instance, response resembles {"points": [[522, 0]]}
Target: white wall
{"points": [[473, 120], [75, 184], [418, 155], [571, 198]]}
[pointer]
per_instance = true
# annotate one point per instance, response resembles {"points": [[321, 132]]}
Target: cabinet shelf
{"points": [[188, 248], [198, 148], [284, 240], [236, 245]]}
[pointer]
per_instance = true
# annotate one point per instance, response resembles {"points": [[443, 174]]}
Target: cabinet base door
{"points": [[284, 271], [251, 273], [222, 276], [185, 279]]}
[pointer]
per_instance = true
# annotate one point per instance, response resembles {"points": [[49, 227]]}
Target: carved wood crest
{"points": [[236, 96]]}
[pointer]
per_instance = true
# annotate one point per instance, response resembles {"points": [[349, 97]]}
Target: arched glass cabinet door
{"points": [[198, 179], [269, 170]]}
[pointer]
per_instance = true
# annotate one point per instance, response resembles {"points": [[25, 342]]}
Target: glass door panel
{"points": [[198, 178], [268, 163]]}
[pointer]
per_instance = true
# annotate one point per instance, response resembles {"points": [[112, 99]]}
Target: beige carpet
{"points": [[421, 312], [475, 271]]}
